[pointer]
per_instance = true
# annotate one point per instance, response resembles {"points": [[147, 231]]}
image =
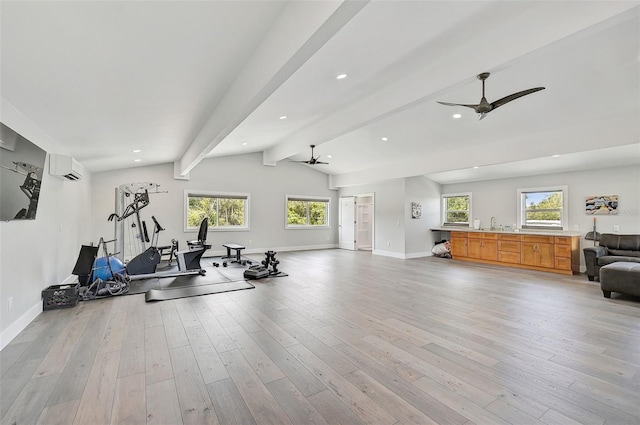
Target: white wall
{"points": [[418, 238], [498, 198], [267, 187], [38, 253]]}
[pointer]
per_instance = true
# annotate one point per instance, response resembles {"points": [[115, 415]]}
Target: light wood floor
{"points": [[347, 338]]}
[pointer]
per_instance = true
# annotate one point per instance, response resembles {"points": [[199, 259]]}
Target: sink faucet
{"points": [[493, 223]]}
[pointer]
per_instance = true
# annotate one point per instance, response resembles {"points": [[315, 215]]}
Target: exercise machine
{"points": [[130, 199], [145, 265]]}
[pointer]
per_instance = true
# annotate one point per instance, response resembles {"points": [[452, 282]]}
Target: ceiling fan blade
{"points": [[458, 104], [320, 162], [514, 96]]}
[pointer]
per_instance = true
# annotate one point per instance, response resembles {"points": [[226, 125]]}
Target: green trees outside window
{"points": [[543, 208], [456, 209], [306, 212], [220, 210]]}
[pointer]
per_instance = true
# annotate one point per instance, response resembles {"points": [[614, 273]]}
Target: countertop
{"points": [[508, 232]]}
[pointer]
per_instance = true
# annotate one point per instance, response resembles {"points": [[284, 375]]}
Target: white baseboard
{"points": [[19, 325], [388, 254], [418, 254]]}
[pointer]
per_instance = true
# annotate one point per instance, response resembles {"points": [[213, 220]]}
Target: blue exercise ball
{"points": [[101, 269]]}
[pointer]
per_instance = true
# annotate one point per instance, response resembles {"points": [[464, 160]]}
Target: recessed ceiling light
{"points": [[475, 167], [555, 156], [137, 160], [244, 143], [341, 77], [456, 116], [329, 156], [284, 117], [384, 139], [137, 150]]}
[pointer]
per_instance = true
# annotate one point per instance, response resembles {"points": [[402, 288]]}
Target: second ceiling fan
{"points": [[484, 107], [313, 160]]}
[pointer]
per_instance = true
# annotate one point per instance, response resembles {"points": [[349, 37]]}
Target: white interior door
{"points": [[347, 224]]}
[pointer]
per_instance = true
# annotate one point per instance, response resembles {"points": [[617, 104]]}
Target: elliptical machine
{"points": [[144, 265]]}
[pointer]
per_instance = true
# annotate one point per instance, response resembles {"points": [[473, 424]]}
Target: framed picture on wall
{"points": [[602, 205], [416, 210]]}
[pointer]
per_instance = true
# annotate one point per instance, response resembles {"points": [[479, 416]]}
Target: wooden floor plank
{"points": [[193, 396], [211, 367], [229, 405], [294, 403], [157, 359], [129, 404], [163, 406], [97, 399], [259, 401]]}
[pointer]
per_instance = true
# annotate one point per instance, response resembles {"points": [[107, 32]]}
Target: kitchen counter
{"points": [[508, 232], [552, 251]]}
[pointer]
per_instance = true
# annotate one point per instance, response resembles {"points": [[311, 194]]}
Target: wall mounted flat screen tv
{"points": [[21, 170]]}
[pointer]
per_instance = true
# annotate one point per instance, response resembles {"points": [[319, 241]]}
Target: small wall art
{"points": [[416, 210], [602, 205]]}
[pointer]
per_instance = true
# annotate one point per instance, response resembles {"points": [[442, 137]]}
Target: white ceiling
{"points": [[184, 80]]}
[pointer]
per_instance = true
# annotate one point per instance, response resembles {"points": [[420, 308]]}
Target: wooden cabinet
{"points": [[566, 253], [483, 246], [538, 251], [559, 254], [459, 242], [509, 249]]}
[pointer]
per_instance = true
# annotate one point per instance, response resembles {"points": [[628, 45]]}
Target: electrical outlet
{"points": [[616, 228], [389, 243]]}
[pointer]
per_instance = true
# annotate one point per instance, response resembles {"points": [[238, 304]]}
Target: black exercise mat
{"points": [[194, 291], [212, 276]]}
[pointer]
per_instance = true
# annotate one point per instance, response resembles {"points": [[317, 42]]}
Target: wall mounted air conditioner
{"points": [[65, 167]]}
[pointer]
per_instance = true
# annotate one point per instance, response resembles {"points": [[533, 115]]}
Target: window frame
{"points": [[222, 195], [522, 217], [444, 210], [307, 199]]}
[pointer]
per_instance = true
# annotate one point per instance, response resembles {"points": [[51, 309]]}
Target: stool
{"points": [[237, 248], [620, 276]]}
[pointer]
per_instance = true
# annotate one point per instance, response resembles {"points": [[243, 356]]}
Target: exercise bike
{"points": [[145, 265]]}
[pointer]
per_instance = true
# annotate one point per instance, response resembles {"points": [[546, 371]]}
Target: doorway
{"points": [[357, 222]]}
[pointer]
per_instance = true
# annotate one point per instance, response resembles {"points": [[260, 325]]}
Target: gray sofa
{"points": [[612, 249]]}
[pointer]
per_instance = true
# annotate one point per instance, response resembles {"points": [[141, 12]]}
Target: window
{"points": [[225, 211], [456, 209], [543, 208], [307, 212]]}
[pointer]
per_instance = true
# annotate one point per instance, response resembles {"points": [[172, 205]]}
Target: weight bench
{"points": [[237, 248]]}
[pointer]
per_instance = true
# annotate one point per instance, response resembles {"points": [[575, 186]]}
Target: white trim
{"points": [[19, 325], [389, 254], [418, 255], [218, 194]]}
